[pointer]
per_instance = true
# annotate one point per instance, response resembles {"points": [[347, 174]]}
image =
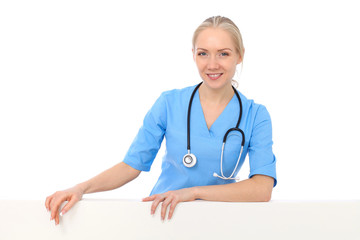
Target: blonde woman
{"points": [[209, 129]]}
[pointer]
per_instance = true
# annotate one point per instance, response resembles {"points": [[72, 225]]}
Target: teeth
{"points": [[214, 75]]}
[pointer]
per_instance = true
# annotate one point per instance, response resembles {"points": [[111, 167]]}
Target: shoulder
{"points": [[172, 100], [177, 95], [178, 92], [252, 109]]}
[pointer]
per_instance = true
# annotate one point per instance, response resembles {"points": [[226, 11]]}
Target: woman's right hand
{"points": [[54, 201]]}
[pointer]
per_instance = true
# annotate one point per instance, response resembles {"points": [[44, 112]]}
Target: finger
{"points": [[147, 199], [164, 206], [57, 221], [172, 208], [157, 200], [47, 202], [154, 205], [69, 205], [55, 205], [53, 209]]}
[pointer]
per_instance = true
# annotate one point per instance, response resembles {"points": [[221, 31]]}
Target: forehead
{"points": [[214, 38]]}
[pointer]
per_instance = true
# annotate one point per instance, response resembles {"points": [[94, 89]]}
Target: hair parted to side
{"points": [[229, 26]]}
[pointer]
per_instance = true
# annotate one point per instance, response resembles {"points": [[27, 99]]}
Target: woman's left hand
{"points": [[171, 198]]}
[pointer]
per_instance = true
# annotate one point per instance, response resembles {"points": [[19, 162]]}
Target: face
{"points": [[216, 57]]}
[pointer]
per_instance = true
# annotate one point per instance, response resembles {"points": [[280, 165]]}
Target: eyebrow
{"points": [[223, 49]]}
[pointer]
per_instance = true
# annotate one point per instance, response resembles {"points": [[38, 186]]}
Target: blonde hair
{"points": [[227, 25]]}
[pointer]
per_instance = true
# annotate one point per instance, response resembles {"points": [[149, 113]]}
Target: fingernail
{"points": [[62, 213]]}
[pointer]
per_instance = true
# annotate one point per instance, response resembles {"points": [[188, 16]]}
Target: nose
{"points": [[212, 63]]}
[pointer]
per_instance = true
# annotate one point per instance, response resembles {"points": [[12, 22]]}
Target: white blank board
{"points": [[120, 219]]}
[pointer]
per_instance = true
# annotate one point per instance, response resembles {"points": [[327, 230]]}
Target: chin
{"points": [[216, 84]]}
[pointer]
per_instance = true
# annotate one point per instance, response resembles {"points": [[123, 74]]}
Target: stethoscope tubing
{"points": [[236, 128], [188, 116]]}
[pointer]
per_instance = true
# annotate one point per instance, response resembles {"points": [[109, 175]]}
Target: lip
{"points": [[214, 76]]}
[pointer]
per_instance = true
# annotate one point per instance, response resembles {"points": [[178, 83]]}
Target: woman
{"points": [[194, 121]]}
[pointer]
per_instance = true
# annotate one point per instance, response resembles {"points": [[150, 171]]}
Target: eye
{"points": [[224, 54], [202, 54]]}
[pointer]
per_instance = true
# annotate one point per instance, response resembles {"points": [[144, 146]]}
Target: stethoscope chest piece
{"points": [[189, 160]]}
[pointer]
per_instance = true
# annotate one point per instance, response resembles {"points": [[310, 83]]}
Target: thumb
{"points": [[72, 201]]}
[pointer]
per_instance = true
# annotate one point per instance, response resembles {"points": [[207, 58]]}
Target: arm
{"points": [[110, 179], [138, 158], [256, 189]]}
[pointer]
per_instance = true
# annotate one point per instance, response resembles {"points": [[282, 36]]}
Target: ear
{"points": [[240, 59]]}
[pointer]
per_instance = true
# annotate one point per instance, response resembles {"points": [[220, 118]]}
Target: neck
{"points": [[216, 96]]}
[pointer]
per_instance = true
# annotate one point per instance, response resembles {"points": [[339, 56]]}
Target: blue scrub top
{"points": [[168, 117]]}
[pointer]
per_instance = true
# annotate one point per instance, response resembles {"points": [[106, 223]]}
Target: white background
{"points": [[77, 78]]}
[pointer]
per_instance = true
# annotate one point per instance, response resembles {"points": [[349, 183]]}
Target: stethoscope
{"points": [[189, 159]]}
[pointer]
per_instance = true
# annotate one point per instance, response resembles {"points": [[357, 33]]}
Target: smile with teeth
{"points": [[214, 76]]}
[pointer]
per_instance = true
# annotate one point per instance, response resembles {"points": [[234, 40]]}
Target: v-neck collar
{"points": [[218, 124]]}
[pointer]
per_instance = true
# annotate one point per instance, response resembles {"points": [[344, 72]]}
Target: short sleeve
{"points": [[261, 158], [147, 142]]}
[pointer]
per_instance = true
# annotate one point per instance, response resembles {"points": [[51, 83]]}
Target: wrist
{"points": [[82, 188], [196, 193]]}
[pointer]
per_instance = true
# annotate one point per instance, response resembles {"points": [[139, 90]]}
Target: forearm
{"points": [[113, 178], [256, 189]]}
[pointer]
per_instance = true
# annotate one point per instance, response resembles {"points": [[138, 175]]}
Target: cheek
{"points": [[200, 65], [232, 67]]}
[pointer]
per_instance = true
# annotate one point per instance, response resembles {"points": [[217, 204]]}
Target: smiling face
{"points": [[216, 57]]}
